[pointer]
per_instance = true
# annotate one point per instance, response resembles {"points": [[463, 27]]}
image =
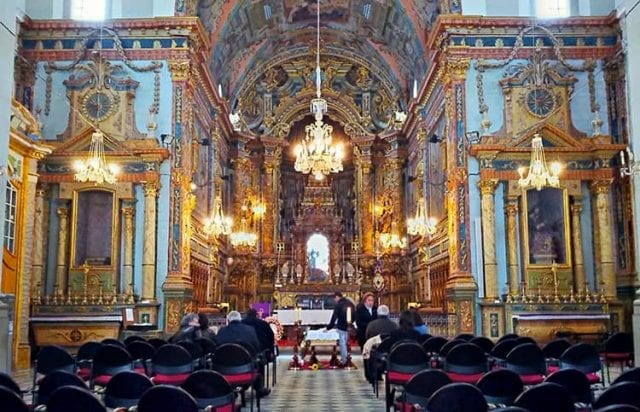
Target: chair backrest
{"points": [[620, 342], [7, 381], [545, 397], [167, 398], [110, 360], [157, 342], [52, 358], [575, 382], [583, 357], [423, 338], [423, 384], [209, 388], [466, 358], [11, 401], [111, 341], [133, 338], [508, 336], [54, 381], [231, 359], [125, 389], [450, 345], [457, 397], [624, 392], [526, 358], [555, 348], [172, 359], [87, 351], [74, 399], [433, 345], [141, 350], [465, 336], [208, 346], [502, 349], [407, 357], [500, 386], [525, 339], [193, 348], [618, 407], [630, 375], [484, 343]]}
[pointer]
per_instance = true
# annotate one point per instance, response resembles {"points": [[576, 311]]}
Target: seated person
{"points": [[263, 331], [382, 325], [189, 329], [406, 330]]}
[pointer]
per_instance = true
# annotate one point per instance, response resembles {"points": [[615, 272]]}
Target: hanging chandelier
{"points": [[316, 153], [243, 237], [392, 240], [218, 224], [420, 224], [95, 168], [539, 175]]}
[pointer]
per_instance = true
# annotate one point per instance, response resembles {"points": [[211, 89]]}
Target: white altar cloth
{"points": [[307, 316], [321, 335]]}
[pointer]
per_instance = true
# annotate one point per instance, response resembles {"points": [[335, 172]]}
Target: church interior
{"points": [[470, 160]]}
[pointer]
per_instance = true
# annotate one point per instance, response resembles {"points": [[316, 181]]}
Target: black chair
{"points": [[618, 349], [575, 382], [433, 345], [465, 336], [167, 398], [171, 364], [420, 387], [378, 362], [141, 352], [74, 399], [627, 393], [510, 409], [484, 343], [617, 407], [465, 363], [450, 345], [11, 401], [525, 339], [208, 346], [552, 352], [527, 360], [107, 362], [585, 358], [195, 350], [84, 358], [157, 342], [125, 389], [508, 336], [210, 389], [7, 381], [546, 397], [405, 360], [500, 387], [49, 359], [54, 381], [133, 338], [115, 342], [423, 338], [501, 350], [238, 367], [457, 397], [630, 375]]}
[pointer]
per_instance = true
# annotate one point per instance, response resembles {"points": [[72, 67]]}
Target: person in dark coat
{"points": [[382, 325], [365, 313], [206, 331], [406, 330], [262, 328], [189, 329], [339, 321]]}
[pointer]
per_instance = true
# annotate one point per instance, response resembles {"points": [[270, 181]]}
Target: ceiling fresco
{"points": [[371, 52]]}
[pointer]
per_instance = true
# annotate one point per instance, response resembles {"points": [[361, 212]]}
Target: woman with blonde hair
{"points": [[366, 311]]}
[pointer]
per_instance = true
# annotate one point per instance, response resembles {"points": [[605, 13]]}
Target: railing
{"points": [[439, 324]]}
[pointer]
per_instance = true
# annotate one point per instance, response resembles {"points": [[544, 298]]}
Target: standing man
{"points": [[339, 320], [365, 313]]}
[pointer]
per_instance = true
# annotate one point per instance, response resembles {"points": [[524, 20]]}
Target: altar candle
{"points": [[622, 157], [348, 314]]}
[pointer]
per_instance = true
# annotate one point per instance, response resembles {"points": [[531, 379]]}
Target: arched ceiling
{"points": [[268, 46]]}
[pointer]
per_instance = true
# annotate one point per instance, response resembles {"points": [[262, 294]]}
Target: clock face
{"points": [[540, 102], [98, 105]]}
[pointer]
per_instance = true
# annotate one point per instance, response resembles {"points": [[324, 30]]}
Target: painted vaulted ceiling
{"points": [[370, 50]]}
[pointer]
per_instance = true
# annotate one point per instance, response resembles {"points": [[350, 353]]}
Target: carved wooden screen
{"points": [[438, 280], [200, 279]]}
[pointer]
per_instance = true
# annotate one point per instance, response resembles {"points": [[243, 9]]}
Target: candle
{"points": [[348, 314], [622, 157]]}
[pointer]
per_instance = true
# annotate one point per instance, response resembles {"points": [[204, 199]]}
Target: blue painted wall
{"points": [[162, 245]]}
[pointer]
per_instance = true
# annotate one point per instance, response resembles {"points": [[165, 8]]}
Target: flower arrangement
{"points": [[275, 324]]}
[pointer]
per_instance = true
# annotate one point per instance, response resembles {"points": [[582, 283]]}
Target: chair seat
{"points": [[226, 408], [463, 378], [241, 378], [102, 380], [593, 377], [404, 407], [140, 369], [177, 379], [532, 379], [621, 356], [553, 368], [84, 373], [399, 378]]}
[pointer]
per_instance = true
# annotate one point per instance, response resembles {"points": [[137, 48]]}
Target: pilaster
{"points": [[600, 189], [39, 238], [63, 246], [512, 212], [271, 198], [128, 212], [487, 190], [579, 283], [364, 193]]}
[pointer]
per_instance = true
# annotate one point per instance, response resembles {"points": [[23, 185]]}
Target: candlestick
{"points": [[622, 161], [348, 314]]}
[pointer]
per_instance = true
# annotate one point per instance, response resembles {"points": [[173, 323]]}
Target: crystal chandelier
{"points": [[420, 224], [539, 175], [243, 237], [392, 240], [95, 168], [316, 154], [218, 224]]}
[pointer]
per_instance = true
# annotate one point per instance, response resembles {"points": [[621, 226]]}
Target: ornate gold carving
{"points": [[466, 316], [601, 186], [151, 189], [180, 70], [456, 70], [173, 314], [487, 187]]}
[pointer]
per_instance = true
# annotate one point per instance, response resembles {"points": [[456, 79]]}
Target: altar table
{"points": [[307, 316]]}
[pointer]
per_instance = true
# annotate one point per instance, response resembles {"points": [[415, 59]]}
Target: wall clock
{"points": [[540, 102], [98, 105]]}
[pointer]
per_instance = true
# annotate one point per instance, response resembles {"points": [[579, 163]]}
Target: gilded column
{"points": [[149, 245], [127, 259], [37, 268], [512, 245], [600, 189], [364, 195], [63, 248], [271, 190], [487, 189], [576, 235]]}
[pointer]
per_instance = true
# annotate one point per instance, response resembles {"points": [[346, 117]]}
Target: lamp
{"points": [[539, 175], [420, 224], [218, 224], [630, 167], [243, 237], [95, 168], [316, 154], [392, 240]]}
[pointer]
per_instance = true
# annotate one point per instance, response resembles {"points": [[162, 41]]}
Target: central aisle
{"points": [[323, 390]]}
